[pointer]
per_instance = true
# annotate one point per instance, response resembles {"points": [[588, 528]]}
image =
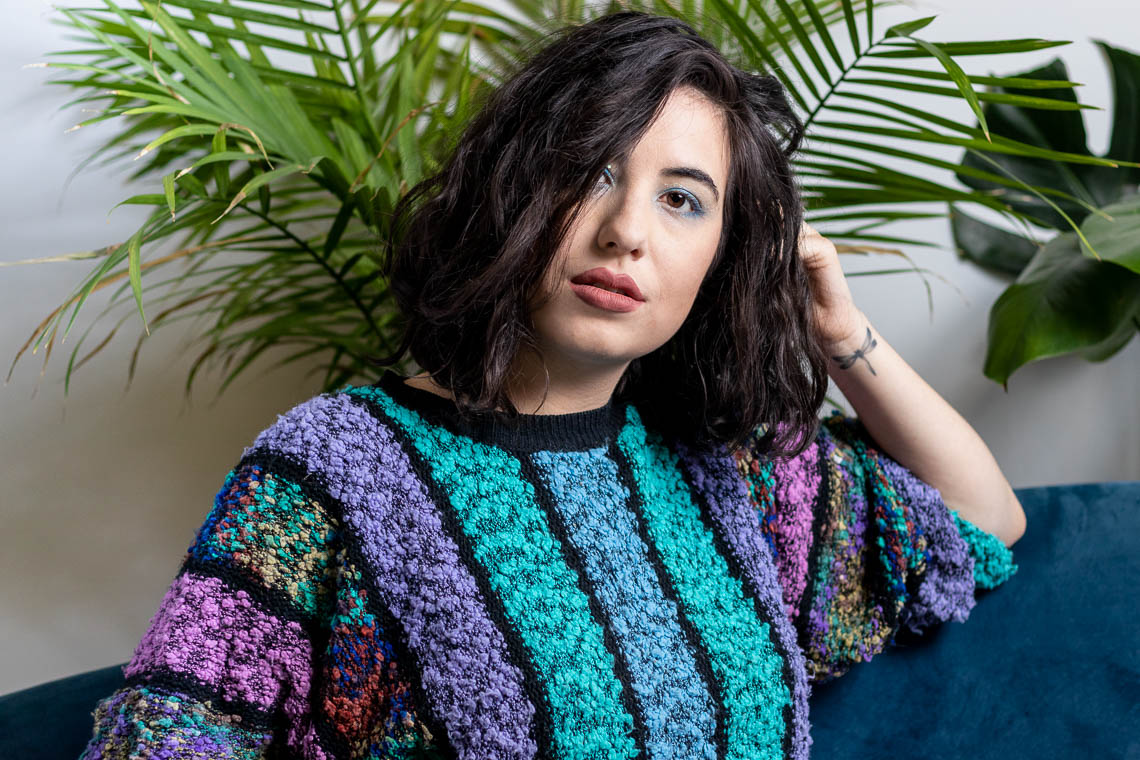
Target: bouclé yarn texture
{"points": [[382, 578]]}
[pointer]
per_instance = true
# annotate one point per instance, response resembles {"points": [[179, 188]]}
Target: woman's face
{"points": [[651, 227]]}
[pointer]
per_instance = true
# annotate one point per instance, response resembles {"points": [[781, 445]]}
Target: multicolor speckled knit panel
{"points": [[227, 666], [373, 584], [863, 547]]}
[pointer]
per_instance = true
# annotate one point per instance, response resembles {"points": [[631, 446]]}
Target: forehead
{"points": [[689, 130]]}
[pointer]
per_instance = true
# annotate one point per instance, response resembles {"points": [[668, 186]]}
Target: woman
{"points": [[605, 521]]}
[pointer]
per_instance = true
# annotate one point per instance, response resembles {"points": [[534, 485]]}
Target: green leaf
{"points": [[248, 14], [134, 254], [1116, 239], [990, 247], [758, 48], [1013, 82], [849, 19], [1121, 337], [266, 177], [1061, 303], [998, 145], [1125, 142], [959, 49], [1025, 101], [806, 45], [910, 27], [952, 69], [1060, 132], [168, 190], [332, 240]]}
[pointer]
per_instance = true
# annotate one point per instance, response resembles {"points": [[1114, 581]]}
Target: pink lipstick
{"points": [[596, 287]]}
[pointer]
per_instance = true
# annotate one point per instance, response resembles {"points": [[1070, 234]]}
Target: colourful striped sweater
{"points": [[380, 578]]}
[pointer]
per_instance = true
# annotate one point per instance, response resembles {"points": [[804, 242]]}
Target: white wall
{"points": [[100, 493]]}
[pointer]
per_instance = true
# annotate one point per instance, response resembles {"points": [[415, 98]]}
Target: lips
{"points": [[603, 278]]}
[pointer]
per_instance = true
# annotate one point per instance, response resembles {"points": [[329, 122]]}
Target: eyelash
{"points": [[698, 209]]}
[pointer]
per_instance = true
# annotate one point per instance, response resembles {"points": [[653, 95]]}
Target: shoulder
{"points": [[329, 422]]}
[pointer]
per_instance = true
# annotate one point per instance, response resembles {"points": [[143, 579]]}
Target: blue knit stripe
{"points": [[592, 501], [738, 642], [510, 538]]}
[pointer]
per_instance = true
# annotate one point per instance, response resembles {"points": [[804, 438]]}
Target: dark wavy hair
{"points": [[470, 244]]}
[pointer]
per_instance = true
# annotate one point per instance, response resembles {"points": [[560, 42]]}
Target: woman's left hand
{"points": [[836, 316]]}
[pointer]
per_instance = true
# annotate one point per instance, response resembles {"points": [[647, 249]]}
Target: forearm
{"points": [[920, 430]]}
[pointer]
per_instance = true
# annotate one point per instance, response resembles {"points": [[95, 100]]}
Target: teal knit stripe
{"points": [[738, 643], [593, 502], [993, 560], [511, 540]]}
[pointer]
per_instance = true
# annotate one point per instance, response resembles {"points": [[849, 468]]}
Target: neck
{"points": [[573, 387]]}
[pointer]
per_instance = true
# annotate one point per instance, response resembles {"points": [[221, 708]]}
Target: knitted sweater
{"points": [[380, 578]]}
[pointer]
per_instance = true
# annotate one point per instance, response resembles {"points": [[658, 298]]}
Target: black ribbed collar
{"points": [[528, 432]]}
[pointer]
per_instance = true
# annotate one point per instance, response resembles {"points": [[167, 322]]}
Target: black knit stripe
{"points": [[751, 591], [819, 517], [316, 488], [573, 559], [875, 576], [520, 655], [171, 682], [271, 601], [575, 431], [701, 655]]}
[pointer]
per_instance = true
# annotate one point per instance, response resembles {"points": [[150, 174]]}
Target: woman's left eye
{"points": [[682, 197]]}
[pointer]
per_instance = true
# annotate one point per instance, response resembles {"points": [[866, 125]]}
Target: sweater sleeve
{"points": [[225, 667], [864, 548]]}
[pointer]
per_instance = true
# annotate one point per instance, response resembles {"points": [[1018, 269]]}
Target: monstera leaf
{"points": [[1065, 301], [1080, 292]]}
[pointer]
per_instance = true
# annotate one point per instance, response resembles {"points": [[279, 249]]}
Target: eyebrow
{"points": [[692, 173]]}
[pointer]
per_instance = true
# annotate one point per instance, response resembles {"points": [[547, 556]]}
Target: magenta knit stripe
{"points": [[209, 631], [420, 576], [797, 484]]}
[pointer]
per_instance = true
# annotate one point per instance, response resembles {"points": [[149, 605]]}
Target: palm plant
{"points": [[284, 132]]}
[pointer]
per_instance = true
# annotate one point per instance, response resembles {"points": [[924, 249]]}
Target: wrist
{"points": [[848, 339], [845, 355]]}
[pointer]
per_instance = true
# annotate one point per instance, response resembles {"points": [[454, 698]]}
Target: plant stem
{"points": [[842, 75], [324, 265]]}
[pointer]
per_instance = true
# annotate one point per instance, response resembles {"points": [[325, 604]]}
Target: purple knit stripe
{"points": [[207, 630], [463, 659], [717, 478], [797, 487], [847, 503], [947, 588]]}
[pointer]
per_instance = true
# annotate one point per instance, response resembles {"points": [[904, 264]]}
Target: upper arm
{"points": [[266, 631], [863, 547]]}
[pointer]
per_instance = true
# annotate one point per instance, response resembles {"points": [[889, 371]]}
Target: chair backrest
{"points": [[1046, 665], [53, 721]]}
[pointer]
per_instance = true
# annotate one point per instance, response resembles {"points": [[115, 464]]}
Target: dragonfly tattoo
{"points": [[846, 362]]}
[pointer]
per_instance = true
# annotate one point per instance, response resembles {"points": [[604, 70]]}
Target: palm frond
{"points": [[279, 134]]}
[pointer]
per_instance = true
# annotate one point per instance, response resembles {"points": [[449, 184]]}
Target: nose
{"points": [[624, 222]]}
